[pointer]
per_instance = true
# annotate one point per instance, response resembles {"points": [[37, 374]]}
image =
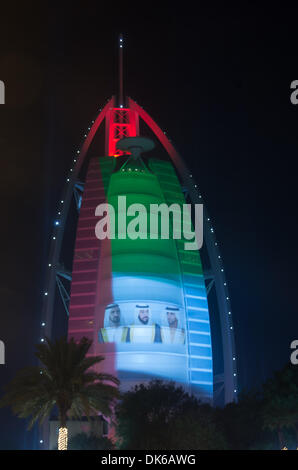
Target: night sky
{"points": [[217, 80]]}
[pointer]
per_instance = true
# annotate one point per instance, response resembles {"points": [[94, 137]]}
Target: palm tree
{"points": [[65, 380]]}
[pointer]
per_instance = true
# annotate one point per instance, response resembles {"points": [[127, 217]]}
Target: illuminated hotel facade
{"points": [[157, 279], [145, 303]]}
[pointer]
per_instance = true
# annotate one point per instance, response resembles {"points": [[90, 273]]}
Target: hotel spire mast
{"points": [[120, 98]]}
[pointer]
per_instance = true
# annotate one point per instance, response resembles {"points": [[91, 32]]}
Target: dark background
{"points": [[218, 81]]}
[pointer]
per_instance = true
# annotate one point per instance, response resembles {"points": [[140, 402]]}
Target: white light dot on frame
{"points": [[45, 293], [42, 340], [78, 151]]}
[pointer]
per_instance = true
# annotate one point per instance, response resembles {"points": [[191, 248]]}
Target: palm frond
{"points": [[66, 379]]}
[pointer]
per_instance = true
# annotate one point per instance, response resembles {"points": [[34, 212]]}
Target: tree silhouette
{"points": [[164, 417], [280, 409]]}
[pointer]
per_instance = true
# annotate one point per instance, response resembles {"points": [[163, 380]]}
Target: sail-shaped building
{"points": [[153, 308]]}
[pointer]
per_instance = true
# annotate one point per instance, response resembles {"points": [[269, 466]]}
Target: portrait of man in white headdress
{"points": [[172, 333], [113, 331], [144, 330]]}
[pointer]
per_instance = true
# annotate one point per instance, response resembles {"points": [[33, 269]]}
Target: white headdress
{"points": [[139, 307], [107, 322]]}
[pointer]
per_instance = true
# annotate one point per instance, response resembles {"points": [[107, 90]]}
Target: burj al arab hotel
{"points": [[154, 309]]}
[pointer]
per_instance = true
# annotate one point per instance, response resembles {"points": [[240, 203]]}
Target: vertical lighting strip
{"points": [[210, 228]]}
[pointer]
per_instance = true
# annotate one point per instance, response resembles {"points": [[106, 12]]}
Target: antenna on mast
{"points": [[120, 98]]}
